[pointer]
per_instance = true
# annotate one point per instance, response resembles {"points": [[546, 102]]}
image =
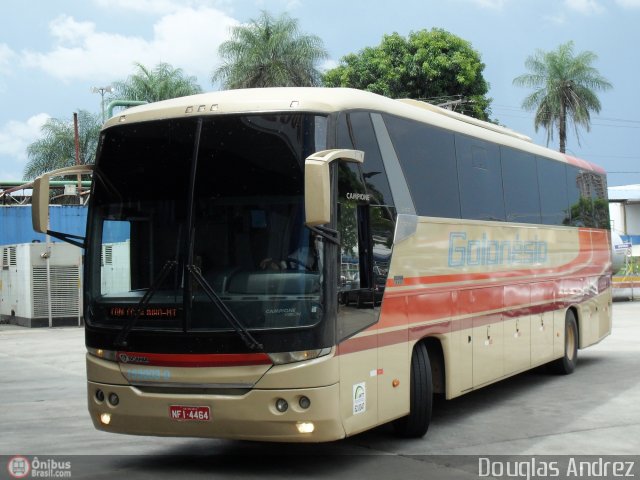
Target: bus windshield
{"points": [[217, 198]]}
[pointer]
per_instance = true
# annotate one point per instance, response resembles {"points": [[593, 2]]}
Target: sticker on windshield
{"points": [[359, 398]]}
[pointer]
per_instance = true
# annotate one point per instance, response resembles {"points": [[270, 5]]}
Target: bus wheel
{"points": [[415, 424], [567, 363]]}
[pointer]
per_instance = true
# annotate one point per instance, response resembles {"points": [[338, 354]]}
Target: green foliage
{"points": [[56, 147], [428, 65], [590, 213], [152, 85], [564, 90], [269, 52]]}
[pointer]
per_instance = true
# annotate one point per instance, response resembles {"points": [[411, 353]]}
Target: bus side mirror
{"points": [[40, 195], [40, 204], [317, 185]]}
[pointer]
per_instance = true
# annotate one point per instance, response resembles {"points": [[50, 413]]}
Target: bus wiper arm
{"points": [[121, 340], [327, 233], [246, 336]]}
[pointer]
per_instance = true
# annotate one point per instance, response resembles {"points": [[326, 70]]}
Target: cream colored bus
{"points": [[306, 264]]}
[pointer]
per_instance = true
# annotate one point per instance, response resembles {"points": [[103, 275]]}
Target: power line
{"points": [[596, 120]]}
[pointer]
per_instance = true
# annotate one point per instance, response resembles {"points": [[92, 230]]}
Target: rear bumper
{"points": [[251, 416]]}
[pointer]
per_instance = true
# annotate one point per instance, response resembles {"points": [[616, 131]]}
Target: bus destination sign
{"points": [[145, 312]]}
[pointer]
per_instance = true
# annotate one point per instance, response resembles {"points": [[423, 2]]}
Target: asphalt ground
{"points": [[529, 417]]}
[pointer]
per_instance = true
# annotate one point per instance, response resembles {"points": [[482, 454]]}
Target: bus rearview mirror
{"points": [[40, 204], [317, 184], [40, 195]]}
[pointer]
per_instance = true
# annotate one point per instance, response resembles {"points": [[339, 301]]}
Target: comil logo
{"points": [[19, 467]]}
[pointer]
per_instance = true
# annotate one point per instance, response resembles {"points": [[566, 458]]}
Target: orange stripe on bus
{"points": [[418, 316]]}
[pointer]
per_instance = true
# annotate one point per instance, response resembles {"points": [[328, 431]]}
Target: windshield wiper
{"points": [[327, 233], [121, 340], [246, 336]]}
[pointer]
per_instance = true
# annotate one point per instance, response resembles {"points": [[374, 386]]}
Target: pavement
{"points": [[595, 411]]}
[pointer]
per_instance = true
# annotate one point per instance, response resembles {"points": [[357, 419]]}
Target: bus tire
{"points": [[416, 424], [567, 364]]}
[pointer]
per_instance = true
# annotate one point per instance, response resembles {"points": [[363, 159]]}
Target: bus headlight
{"points": [[282, 405], [282, 358], [103, 354], [304, 402]]}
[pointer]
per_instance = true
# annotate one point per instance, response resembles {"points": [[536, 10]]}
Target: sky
{"points": [[52, 53]]}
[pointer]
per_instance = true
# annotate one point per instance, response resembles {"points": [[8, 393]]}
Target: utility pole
{"points": [[102, 91]]}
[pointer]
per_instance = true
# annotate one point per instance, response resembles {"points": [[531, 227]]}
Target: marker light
{"points": [[305, 427], [105, 418]]}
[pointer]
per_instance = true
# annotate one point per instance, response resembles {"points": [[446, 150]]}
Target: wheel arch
{"points": [[436, 359], [578, 317]]}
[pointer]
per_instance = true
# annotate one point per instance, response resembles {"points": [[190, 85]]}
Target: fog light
{"points": [[281, 405], [304, 402], [99, 395], [305, 427], [105, 418], [113, 399]]}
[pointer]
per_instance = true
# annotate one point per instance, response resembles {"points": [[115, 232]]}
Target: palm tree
{"points": [[152, 85], [269, 52], [564, 86], [56, 147]]}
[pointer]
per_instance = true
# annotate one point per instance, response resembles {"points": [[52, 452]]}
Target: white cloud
{"points": [[14, 138], [586, 7], [286, 5], [490, 4], [187, 38], [6, 57], [147, 6], [328, 64], [558, 19], [629, 3]]}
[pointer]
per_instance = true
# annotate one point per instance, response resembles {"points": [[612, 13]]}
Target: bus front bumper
{"points": [[251, 416]]}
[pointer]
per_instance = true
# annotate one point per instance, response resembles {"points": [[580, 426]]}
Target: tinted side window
{"points": [[520, 179], [580, 203], [427, 158], [355, 130], [552, 178], [601, 202], [587, 198], [481, 196]]}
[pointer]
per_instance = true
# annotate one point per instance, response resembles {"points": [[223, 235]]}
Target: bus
{"points": [[304, 264]]}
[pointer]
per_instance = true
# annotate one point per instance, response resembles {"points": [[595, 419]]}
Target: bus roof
{"points": [[332, 100]]}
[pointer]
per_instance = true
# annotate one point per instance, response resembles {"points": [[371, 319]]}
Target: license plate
{"points": [[184, 413]]}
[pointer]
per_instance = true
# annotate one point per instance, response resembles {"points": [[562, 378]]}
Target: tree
{"points": [[432, 65], [56, 147], [564, 90], [152, 85], [269, 52]]}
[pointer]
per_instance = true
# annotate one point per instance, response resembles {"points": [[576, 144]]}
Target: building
{"points": [[624, 210]]}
